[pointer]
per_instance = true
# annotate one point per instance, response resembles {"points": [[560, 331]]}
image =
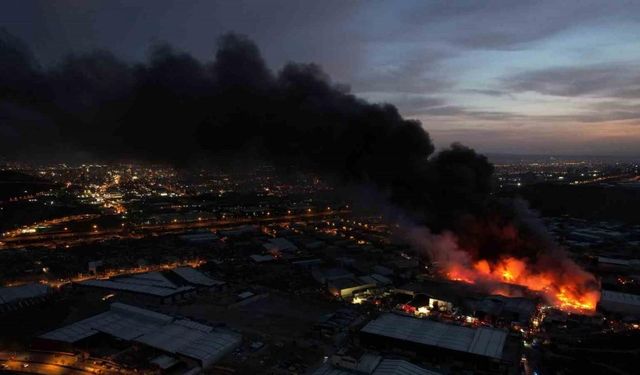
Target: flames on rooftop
{"points": [[560, 281], [569, 289]]}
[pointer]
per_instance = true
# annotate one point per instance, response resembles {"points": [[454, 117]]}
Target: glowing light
{"points": [[569, 291]]}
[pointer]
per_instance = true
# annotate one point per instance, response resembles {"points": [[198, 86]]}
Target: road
{"points": [[55, 363], [49, 239]]}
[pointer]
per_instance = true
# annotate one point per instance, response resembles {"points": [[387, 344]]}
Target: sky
{"points": [[522, 77]]}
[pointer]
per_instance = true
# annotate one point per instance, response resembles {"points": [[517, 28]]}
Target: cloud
{"points": [[465, 113], [489, 92], [409, 69], [610, 80]]}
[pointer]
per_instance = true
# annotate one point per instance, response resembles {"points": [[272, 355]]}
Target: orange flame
{"points": [[570, 291]]}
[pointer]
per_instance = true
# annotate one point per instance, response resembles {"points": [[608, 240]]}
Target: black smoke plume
{"points": [[174, 108]]}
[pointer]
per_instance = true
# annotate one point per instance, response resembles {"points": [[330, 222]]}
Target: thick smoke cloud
{"points": [[174, 108]]}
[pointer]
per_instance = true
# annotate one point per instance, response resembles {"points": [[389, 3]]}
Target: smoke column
{"points": [[173, 108], [176, 109]]}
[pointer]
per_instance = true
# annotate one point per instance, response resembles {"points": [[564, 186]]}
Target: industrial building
{"points": [[15, 297], [372, 365], [157, 287], [198, 279], [279, 247], [346, 286], [513, 310], [480, 348], [622, 303], [180, 339]]}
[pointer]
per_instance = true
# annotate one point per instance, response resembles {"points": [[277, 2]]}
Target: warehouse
{"points": [[622, 303], [346, 286], [379, 366], [198, 279], [189, 341], [15, 297], [479, 348], [150, 287]]}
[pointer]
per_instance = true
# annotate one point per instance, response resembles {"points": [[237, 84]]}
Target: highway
{"points": [[62, 238]]}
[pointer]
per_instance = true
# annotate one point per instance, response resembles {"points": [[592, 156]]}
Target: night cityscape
{"points": [[323, 188]]}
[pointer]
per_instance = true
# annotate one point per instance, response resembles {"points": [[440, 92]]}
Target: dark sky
{"points": [[500, 76]]}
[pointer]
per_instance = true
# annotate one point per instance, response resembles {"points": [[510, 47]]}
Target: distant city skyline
{"points": [[542, 77]]}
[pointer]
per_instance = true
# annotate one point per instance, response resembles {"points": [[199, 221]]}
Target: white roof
{"points": [[488, 342], [177, 336], [625, 298], [15, 293], [196, 277]]}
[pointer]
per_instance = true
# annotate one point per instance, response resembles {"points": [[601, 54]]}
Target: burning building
{"points": [[550, 273]]}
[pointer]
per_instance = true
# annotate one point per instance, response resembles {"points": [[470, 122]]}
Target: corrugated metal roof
{"points": [[386, 367], [625, 298], [211, 347], [400, 367], [147, 279], [122, 321], [196, 277], [192, 341], [157, 330], [16, 293], [116, 284], [487, 342]]}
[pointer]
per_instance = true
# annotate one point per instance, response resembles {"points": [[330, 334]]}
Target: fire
{"points": [[569, 289]]}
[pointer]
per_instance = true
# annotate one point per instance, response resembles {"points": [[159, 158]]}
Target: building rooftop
{"points": [[279, 244], [617, 297], [122, 321], [16, 293], [614, 261], [487, 342], [147, 279], [196, 277], [177, 336], [118, 284], [385, 367]]}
